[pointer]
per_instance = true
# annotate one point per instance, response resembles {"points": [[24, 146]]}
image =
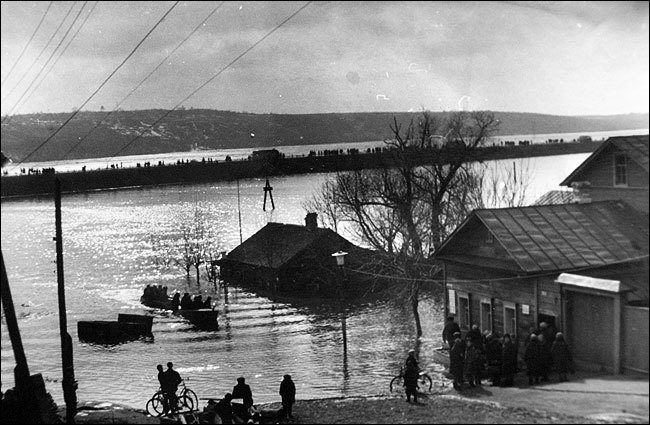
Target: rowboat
{"points": [[203, 318]]}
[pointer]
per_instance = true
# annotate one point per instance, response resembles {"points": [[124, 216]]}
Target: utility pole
{"points": [[69, 383]]}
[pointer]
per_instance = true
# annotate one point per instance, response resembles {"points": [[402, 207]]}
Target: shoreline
{"points": [[42, 184]]}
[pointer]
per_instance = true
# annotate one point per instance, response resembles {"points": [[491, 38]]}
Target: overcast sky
{"points": [[550, 57]]}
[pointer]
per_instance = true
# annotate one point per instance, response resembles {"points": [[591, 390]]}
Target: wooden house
{"points": [[502, 268], [283, 258], [618, 169]]}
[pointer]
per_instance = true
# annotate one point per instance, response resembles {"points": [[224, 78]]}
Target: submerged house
{"points": [[580, 267], [283, 258]]}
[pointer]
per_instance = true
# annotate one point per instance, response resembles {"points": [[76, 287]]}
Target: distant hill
{"points": [[183, 130]]}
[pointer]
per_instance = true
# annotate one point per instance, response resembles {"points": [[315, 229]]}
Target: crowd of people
{"points": [[186, 302], [488, 355], [235, 407]]}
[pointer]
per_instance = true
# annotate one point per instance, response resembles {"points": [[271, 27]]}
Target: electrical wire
{"points": [[62, 52], [47, 62], [215, 76], [100, 86], [27, 45], [39, 55], [162, 62]]}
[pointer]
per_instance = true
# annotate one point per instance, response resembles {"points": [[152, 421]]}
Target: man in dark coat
{"points": [[411, 373], [288, 393], [243, 391], [224, 409], [494, 358], [562, 358], [532, 357], [473, 363], [476, 337], [456, 361], [448, 332], [545, 360], [509, 361], [172, 379]]}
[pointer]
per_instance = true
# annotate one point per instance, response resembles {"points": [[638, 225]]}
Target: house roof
{"points": [[587, 282], [275, 244], [635, 148], [553, 197], [562, 237]]}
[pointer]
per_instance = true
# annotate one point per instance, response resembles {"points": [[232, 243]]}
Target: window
{"points": [[463, 310], [510, 319], [620, 170], [486, 314]]}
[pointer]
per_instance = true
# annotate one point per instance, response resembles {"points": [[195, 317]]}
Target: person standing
{"points": [[456, 361], [545, 359], [494, 358], [172, 379], [411, 372], [473, 363], [509, 361], [449, 330], [243, 391], [562, 358], [288, 394], [532, 357], [476, 337]]}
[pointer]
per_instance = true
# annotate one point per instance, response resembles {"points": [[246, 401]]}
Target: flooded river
{"points": [[107, 239]]}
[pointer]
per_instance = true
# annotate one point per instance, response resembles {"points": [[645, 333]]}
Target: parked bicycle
{"points": [[184, 400], [424, 381]]}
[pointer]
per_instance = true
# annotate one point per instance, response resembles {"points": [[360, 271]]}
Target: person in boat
{"points": [[186, 302], [176, 301], [207, 303], [147, 291], [165, 296], [197, 303]]}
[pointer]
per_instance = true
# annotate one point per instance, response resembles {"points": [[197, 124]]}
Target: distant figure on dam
{"points": [[288, 394]]}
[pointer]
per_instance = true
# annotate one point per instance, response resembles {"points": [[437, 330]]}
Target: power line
{"points": [[162, 62], [27, 45], [62, 51], [503, 279], [40, 54], [215, 75], [47, 62], [100, 86]]}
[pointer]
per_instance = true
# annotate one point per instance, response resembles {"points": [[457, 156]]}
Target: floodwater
{"points": [[108, 240]]}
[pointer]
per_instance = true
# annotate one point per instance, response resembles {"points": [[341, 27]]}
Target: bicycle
{"points": [[184, 399], [423, 379]]}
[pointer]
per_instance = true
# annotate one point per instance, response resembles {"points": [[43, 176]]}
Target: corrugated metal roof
{"points": [[635, 147], [276, 243], [569, 236], [554, 197]]}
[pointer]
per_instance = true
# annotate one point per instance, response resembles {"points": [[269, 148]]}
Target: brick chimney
{"points": [[311, 221]]}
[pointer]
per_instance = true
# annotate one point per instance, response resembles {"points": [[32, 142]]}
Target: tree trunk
{"points": [[197, 275], [415, 295]]}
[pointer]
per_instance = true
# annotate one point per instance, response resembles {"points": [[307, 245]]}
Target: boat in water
{"points": [[128, 327], [200, 318]]}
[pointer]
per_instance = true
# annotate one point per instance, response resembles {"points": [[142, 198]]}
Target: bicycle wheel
{"points": [[193, 396], [156, 405], [185, 402], [396, 383], [426, 382]]}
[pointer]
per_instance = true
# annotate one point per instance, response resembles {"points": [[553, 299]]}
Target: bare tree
{"points": [[405, 210]]}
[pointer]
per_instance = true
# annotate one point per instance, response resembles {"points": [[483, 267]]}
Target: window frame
{"points": [[510, 306], [622, 166], [467, 317], [490, 319]]}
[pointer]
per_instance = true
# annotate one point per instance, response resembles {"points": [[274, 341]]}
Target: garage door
{"points": [[590, 327]]}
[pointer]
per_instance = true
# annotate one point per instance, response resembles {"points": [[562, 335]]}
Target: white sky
{"points": [[578, 58]]}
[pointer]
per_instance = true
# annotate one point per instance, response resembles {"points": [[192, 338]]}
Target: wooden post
{"points": [[69, 383]]}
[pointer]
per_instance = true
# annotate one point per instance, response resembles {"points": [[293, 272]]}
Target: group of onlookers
{"points": [[480, 355]]}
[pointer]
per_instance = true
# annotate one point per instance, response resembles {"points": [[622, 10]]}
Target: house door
{"points": [[590, 328]]}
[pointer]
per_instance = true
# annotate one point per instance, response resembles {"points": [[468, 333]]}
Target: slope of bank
{"points": [[205, 172], [105, 134]]}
